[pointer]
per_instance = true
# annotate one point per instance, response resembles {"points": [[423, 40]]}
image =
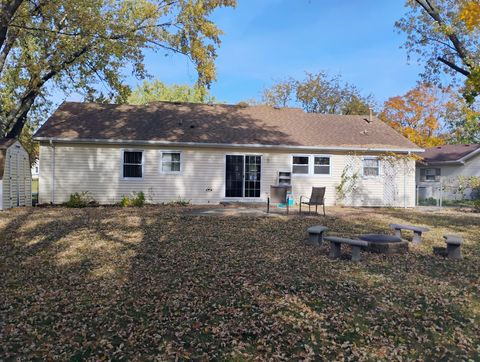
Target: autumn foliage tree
{"points": [[86, 46], [470, 14], [319, 93], [445, 36], [418, 115], [156, 90]]}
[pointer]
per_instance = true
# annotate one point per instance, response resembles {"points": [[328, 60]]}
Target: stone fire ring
{"points": [[384, 244]]}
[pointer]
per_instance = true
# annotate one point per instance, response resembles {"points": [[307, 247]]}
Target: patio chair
{"points": [[317, 198], [278, 195]]}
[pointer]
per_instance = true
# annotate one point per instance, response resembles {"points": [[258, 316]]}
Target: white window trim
{"points": [[311, 165], [171, 172], [379, 167], [329, 166], [122, 154]]}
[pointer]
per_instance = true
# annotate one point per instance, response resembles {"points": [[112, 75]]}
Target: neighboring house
{"points": [[218, 153], [36, 170], [35, 178], [442, 166], [15, 177]]}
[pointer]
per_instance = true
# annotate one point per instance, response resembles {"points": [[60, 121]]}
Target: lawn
{"points": [[140, 284]]}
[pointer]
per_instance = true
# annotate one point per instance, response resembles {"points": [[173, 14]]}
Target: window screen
{"points": [[171, 162], [300, 164], [321, 165], [371, 167], [132, 164]]}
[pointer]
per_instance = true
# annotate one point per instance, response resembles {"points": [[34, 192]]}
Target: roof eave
{"points": [[225, 145], [470, 155]]}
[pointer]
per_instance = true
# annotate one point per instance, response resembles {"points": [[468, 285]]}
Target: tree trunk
{"points": [[19, 117], [7, 11]]}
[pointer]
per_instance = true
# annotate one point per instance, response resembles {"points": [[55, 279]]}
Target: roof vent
{"points": [[192, 126]]}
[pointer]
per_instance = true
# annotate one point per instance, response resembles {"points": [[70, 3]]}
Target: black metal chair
{"points": [[317, 198], [278, 195]]}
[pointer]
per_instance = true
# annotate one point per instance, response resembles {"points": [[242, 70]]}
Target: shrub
{"points": [[476, 205], [137, 200], [179, 202], [80, 199]]}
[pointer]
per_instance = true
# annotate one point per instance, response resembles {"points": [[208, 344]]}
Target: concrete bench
{"points": [[454, 242], [417, 231], [336, 243], [315, 235]]}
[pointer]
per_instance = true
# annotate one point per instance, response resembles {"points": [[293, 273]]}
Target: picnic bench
{"points": [[417, 231], [454, 242], [336, 243], [315, 235]]}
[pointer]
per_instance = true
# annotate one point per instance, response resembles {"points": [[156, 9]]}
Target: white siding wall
{"points": [[98, 169], [17, 180], [1, 194], [449, 174], [470, 168]]}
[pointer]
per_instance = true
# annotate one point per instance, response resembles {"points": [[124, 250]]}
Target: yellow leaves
{"points": [[470, 14], [417, 115]]}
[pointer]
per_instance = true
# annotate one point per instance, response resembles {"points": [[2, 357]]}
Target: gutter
{"points": [[53, 169], [224, 145], [443, 163]]}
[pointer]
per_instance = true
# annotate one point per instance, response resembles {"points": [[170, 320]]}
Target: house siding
{"points": [[449, 173], [98, 170], [16, 172]]}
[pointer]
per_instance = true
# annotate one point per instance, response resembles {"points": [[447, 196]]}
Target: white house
{"points": [[442, 166], [15, 177], [217, 153], [36, 170]]}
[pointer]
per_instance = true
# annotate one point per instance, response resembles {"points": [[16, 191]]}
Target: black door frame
{"points": [[244, 172]]}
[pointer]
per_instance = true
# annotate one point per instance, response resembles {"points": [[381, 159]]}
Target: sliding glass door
{"points": [[243, 176]]}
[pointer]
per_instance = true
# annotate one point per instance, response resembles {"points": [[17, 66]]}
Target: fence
{"points": [[443, 193]]}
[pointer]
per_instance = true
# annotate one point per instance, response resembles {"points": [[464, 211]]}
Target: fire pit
{"points": [[384, 244]]}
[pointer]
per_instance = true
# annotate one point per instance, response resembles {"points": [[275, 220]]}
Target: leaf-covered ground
{"points": [[159, 283]]}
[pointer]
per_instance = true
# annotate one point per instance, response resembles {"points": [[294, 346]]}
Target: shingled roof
{"points": [[217, 124], [448, 153]]}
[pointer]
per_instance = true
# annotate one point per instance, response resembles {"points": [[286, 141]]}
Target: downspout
{"points": [[405, 183], [53, 171]]}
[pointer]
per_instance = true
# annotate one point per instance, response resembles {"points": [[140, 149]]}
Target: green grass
{"points": [[150, 283]]}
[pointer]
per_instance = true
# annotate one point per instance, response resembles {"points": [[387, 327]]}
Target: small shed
{"points": [[15, 175]]}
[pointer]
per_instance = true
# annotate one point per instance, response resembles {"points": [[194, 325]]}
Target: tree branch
{"points": [[7, 10], [431, 10], [454, 66], [7, 46]]}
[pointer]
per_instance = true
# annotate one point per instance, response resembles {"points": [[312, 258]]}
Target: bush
{"points": [[137, 200], [80, 199], [179, 202], [476, 205]]}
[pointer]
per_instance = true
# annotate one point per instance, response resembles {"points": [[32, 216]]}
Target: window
{"points": [[321, 165], [300, 165], [171, 162], [430, 174], [371, 167], [132, 164]]}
